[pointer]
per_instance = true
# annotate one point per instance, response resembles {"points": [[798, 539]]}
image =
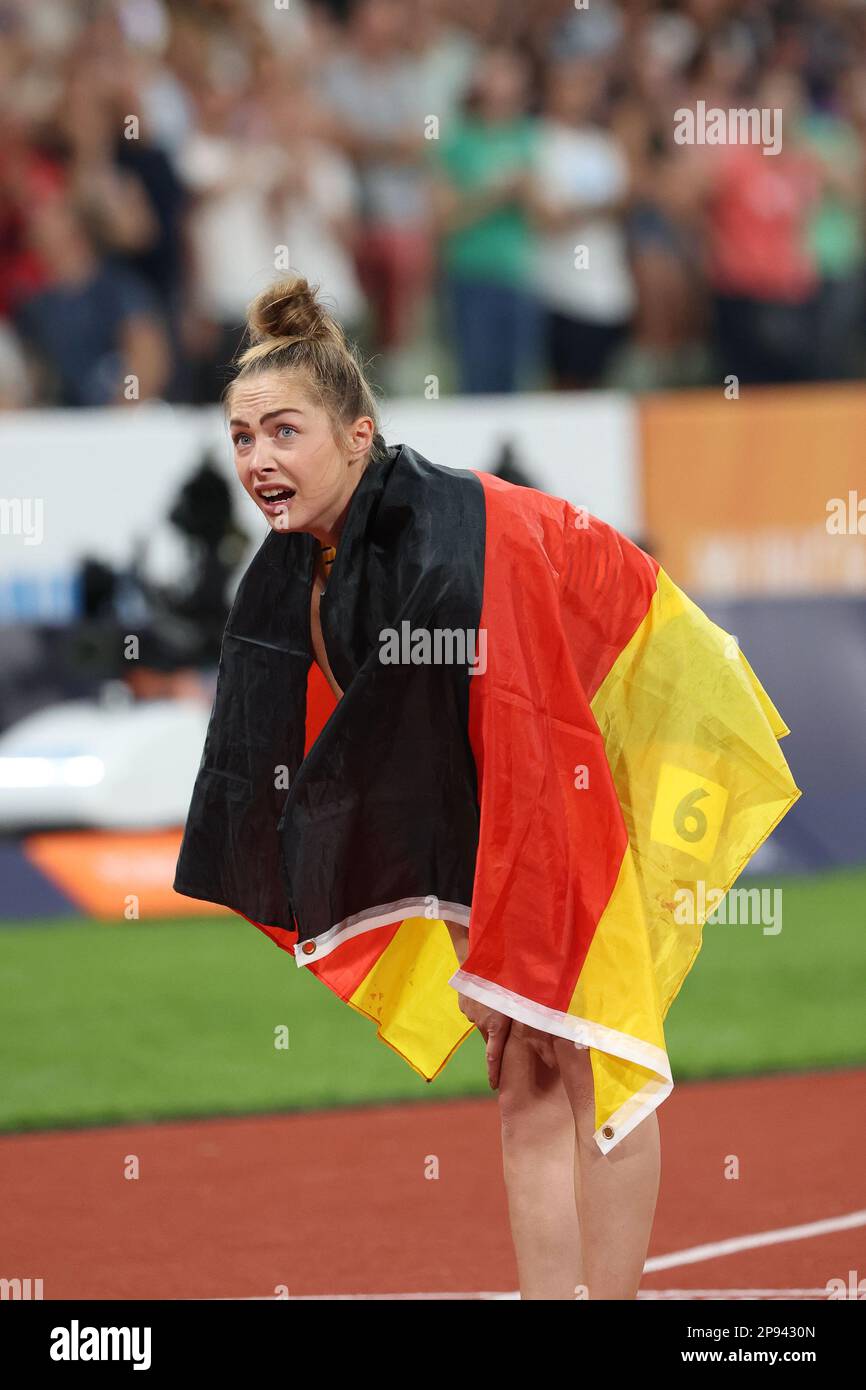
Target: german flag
{"points": [[580, 799]]}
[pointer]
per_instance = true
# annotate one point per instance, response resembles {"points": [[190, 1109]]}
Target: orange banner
{"points": [[117, 876], [762, 494]]}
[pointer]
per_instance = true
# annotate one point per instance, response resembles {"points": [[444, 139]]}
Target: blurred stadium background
{"points": [[544, 283]]}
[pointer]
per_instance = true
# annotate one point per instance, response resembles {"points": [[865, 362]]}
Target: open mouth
{"points": [[276, 497]]}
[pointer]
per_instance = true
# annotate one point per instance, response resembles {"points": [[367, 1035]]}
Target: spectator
{"points": [[27, 178], [763, 273], [580, 191], [376, 91], [836, 235], [230, 180], [92, 329], [446, 57], [481, 201], [126, 186], [316, 200], [307, 136], [664, 224]]}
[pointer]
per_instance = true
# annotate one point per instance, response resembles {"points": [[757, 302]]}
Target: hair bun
{"points": [[289, 312], [290, 330]]}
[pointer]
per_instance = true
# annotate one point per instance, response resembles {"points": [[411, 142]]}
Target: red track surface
{"points": [[337, 1202]]}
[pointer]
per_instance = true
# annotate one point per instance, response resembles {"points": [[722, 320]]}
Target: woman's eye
{"points": [[242, 439], [290, 428]]}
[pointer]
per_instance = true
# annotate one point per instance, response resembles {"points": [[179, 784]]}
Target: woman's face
{"points": [[286, 454]]}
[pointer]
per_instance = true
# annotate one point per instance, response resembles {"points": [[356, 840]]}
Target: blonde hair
{"points": [[289, 330]]}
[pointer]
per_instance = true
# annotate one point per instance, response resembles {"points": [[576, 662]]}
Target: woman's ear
{"points": [[361, 435]]}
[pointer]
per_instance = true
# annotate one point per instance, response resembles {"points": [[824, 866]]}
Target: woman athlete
{"points": [[303, 430]]}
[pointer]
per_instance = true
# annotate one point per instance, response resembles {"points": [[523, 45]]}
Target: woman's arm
{"points": [[460, 940], [494, 1027]]}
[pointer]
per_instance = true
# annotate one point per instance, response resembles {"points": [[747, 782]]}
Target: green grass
{"points": [[138, 1021]]}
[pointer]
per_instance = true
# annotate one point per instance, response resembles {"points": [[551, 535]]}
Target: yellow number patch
{"points": [[688, 811]]}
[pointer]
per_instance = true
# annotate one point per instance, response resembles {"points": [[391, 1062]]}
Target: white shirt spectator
{"points": [[586, 167], [233, 243], [239, 230], [379, 101], [305, 226]]}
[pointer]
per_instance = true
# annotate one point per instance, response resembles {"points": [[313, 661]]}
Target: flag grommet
{"points": [[308, 948], [607, 1132]]}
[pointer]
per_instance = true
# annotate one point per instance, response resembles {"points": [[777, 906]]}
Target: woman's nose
{"points": [[260, 460]]}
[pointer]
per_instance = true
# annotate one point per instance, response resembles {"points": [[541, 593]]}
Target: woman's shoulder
{"points": [[411, 463]]}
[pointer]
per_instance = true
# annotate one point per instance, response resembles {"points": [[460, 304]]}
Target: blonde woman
{"points": [[468, 744]]}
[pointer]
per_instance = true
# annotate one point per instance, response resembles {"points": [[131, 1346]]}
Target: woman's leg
{"points": [[616, 1193], [538, 1155], [538, 1147]]}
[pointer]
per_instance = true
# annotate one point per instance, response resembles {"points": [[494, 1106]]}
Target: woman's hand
{"points": [[493, 1026], [494, 1029]]}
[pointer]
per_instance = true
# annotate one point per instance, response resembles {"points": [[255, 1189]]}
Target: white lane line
{"points": [[735, 1244]]}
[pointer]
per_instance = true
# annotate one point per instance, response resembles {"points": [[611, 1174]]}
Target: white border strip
{"points": [[371, 918], [651, 1295], [582, 1033]]}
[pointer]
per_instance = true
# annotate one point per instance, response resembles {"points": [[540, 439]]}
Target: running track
{"points": [[336, 1202]]}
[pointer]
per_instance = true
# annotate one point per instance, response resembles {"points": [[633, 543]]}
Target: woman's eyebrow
{"points": [[282, 411], [269, 416]]}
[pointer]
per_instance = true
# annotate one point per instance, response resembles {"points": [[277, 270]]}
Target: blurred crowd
{"points": [[493, 194]]}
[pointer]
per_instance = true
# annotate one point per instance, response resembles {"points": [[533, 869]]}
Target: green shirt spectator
{"points": [[482, 159], [836, 231]]}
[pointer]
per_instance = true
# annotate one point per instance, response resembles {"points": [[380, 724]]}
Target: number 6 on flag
{"points": [[688, 811]]}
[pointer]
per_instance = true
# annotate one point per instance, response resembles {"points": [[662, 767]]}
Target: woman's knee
{"points": [[531, 1095], [575, 1068]]}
